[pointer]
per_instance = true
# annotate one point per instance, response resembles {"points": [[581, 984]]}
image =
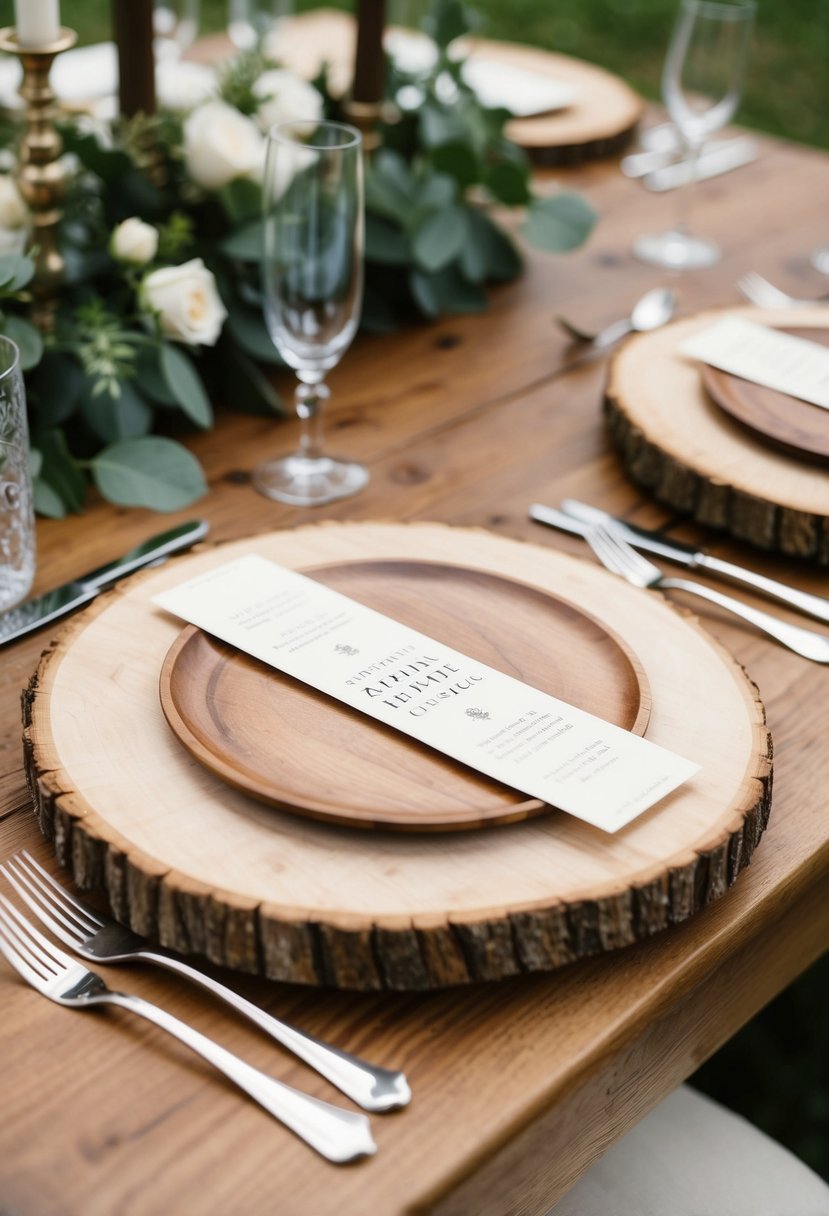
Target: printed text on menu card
{"points": [[465, 709]]}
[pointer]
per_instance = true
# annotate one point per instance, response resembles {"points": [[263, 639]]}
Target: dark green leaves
{"points": [[184, 384], [439, 238], [558, 223], [150, 472]]}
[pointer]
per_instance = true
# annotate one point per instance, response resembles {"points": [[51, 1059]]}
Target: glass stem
{"points": [[310, 398], [686, 190]]}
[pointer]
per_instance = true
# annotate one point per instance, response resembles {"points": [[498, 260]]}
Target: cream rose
{"points": [[134, 242], [284, 98], [182, 86], [186, 302], [221, 144], [15, 217]]}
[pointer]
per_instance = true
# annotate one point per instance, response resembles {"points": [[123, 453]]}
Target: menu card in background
{"points": [[755, 352], [465, 709]]}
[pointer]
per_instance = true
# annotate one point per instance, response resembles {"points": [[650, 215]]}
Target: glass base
{"points": [[676, 251], [305, 482]]}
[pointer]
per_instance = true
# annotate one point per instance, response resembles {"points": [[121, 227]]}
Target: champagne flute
{"points": [[312, 276], [701, 86]]}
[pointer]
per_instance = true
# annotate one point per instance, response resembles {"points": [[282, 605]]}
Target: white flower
{"points": [[221, 144], [284, 97], [186, 302], [134, 242], [182, 85]]}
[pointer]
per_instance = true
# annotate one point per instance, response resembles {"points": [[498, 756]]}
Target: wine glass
{"points": [[701, 85], [312, 278], [251, 21], [175, 26]]}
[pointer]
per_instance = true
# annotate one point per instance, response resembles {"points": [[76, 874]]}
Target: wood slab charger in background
{"points": [[600, 121], [677, 443], [190, 862], [798, 426], [293, 747]]}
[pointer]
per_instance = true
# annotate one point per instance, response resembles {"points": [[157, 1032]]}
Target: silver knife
{"points": [[578, 517], [638, 164], [54, 604], [733, 155]]}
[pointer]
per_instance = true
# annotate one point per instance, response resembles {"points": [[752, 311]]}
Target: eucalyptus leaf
{"points": [[27, 339], [458, 160], [446, 293], [241, 200], [386, 242], [247, 328], [489, 244], [148, 472], [184, 383], [558, 223], [113, 418], [55, 388], [245, 387], [509, 183], [247, 243], [16, 271], [439, 238], [151, 378], [389, 187], [59, 470], [46, 501]]}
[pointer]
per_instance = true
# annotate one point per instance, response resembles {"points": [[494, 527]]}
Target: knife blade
{"points": [[43, 609], [578, 517], [733, 155], [639, 164]]}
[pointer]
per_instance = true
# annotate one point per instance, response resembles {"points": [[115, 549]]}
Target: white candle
{"points": [[37, 22]]}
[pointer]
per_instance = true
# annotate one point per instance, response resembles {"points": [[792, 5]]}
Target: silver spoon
{"points": [[652, 310]]}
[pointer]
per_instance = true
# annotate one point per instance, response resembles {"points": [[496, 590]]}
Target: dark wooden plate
{"points": [[302, 751], [795, 425]]}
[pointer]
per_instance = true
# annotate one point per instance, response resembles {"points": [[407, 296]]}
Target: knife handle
{"points": [[813, 605], [153, 550]]}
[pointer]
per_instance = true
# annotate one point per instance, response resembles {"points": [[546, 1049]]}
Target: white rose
{"points": [[284, 97], [14, 214], [221, 144], [186, 302], [134, 242], [182, 85]]}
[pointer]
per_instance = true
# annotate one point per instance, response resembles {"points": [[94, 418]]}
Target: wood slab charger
{"points": [[300, 750], [204, 869], [796, 425], [675, 442], [600, 121]]}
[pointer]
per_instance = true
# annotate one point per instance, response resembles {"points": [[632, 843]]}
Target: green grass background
{"points": [[776, 1070]]}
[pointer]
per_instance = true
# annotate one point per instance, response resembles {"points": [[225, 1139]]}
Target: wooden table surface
{"points": [[518, 1086]]}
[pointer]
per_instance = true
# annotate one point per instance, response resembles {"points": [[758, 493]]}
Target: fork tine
{"points": [[95, 922], [53, 953], [37, 958], [40, 905], [11, 953]]}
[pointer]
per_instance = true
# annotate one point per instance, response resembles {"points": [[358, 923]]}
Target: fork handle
{"points": [[805, 642], [338, 1135], [373, 1088]]}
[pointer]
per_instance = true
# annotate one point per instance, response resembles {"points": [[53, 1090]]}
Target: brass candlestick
{"points": [[41, 176]]}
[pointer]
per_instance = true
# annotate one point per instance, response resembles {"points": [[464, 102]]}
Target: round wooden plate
{"points": [[205, 869], [797, 425], [300, 750]]}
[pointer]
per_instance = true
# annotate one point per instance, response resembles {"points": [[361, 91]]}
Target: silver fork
{"points": [[765, 295], [103, 940], [338, 1135], [618, 556]]}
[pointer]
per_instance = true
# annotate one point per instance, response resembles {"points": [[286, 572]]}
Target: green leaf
{"points": [[28, 340], [113, 418], [509, 183], [59, 470], [35, 462], [149, 375], [390, 187], [16, 271], [559, 223], [439, 238], [459, 161], [446, 292], [490, 249], [386, 242], [247, 328], [46, 500], [436, 190], [245, 387], [55, 389], [247, 243], [438, 126], [184, 383], [448, 20], [241, 200], [148, 472]]}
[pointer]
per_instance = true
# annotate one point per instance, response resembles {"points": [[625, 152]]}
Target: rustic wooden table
{"points": [[520, 1085]]}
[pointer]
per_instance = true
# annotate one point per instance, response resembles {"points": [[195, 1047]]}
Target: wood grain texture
{"points": [[264, 733], [676, 442], [519, 1085], [801, 428], [526, 898]]}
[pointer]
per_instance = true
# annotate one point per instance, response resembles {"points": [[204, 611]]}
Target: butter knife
{"points": [[25, 618], [732, 155], [578, 517]]}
